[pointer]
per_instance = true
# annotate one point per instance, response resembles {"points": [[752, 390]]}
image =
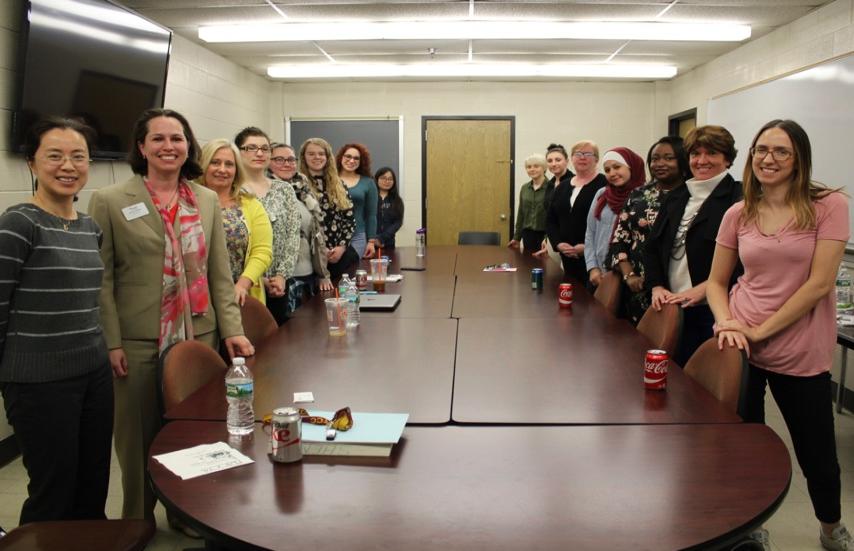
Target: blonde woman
{"points": [[317, 162], [248, 233], [531, 217]]}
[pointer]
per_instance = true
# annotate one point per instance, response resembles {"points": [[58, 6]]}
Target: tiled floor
{"points": [[793, 527]]}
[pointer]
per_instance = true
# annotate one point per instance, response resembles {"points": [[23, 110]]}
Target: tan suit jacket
{"points": [[132, 251]]}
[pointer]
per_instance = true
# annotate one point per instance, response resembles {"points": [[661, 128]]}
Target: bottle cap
{"points": [[238, 360]]}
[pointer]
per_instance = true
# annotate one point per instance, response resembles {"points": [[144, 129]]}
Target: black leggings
{"points": [[807, 408]]}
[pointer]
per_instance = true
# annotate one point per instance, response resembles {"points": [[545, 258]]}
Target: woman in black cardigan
{"points": [[566, 214], [678, 254]]}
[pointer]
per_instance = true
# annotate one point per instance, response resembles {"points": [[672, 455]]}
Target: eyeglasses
{"points": [[778, 153], [58, 159], [584, 154], [283, 160], [252, 148], [351, 157]]}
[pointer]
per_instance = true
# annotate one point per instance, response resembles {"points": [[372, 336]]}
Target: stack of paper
{"points": [[373, 434], [390, 278], [202, 459]]}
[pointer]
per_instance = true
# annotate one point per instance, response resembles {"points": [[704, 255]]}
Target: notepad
{"points": [[372, 435]]}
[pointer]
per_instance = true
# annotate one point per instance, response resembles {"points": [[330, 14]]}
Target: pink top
{"points": [[775, 266]]}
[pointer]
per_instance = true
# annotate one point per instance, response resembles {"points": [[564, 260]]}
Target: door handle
{"points": [[502, 216]]}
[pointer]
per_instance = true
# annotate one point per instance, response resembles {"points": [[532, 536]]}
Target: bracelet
{"points": [[628, 275]]}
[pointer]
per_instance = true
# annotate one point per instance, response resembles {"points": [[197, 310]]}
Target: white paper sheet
{"points": [[202, 459]]}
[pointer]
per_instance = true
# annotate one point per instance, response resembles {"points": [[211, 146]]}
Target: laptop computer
{"points": [[386, 302]]}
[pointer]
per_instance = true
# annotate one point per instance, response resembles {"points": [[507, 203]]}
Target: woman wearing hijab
{"points": [[625, 172]]}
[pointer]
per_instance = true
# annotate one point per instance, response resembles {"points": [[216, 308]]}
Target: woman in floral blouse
{"points": [[318, 163], [668, 165], [280, 202]]}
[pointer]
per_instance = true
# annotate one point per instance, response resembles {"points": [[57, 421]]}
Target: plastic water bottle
{"points": [[420, 241], [343, 285], [352, 296], [239, 391], [843, 291]]}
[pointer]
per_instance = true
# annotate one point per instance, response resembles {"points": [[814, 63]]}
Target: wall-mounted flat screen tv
{"points": [[93, 60]]}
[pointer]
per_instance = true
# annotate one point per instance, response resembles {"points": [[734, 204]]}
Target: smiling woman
{"points": [[54, 358]]}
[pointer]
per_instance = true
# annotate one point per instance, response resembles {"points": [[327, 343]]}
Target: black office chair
{"points": [[479, 238]]}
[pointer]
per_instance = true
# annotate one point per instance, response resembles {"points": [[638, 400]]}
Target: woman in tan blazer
{"points": [[162, 283]]}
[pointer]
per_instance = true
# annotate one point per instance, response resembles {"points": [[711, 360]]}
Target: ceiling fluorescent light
{"points": [[447, 70], [474, 30]]}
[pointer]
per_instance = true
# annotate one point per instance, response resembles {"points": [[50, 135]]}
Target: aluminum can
{"points": [[286, 436], [537, 279], [361, 280], [564, 297], [655, 370]]}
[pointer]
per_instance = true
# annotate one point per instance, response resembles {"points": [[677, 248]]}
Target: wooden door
{"points": [[468, 178]]}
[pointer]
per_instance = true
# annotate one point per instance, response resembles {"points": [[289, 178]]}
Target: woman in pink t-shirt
{"points": [[790, 235]]}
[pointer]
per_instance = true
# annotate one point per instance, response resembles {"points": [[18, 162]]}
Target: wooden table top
{"points": [[388, 365], [639, 487]]}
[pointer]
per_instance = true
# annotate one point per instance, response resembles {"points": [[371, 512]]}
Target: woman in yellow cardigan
{"points": [[248, 233]]}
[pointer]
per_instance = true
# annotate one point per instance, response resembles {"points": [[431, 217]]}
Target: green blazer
{"points": [[132, 251]]}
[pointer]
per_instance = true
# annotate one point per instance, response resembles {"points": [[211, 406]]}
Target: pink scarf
{"points": [[185, 280]]}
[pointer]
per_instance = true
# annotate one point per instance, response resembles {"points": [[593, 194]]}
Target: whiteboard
{"points": [[820, 99]]}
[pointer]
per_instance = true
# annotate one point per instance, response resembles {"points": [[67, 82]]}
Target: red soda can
{"points": [[564, 297], [361, 280], [655, 370]]}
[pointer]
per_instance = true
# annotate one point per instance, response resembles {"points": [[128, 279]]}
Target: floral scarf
{"points": [[185, 280]]}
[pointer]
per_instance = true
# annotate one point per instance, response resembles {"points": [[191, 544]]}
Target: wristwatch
{"points": [[628, 275]]}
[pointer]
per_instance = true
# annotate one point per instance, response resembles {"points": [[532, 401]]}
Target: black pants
{"points": [[532, 240], [278, 306], [574, 269], [697, 323], [64, 429], [806, 405]]}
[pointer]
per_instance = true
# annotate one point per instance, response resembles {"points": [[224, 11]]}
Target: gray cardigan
{"points": [[597, 239]]}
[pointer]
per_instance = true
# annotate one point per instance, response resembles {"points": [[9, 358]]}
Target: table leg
{"points": [[841, 390]]}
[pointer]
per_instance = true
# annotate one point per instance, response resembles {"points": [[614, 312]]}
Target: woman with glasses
{"points": [[54, 370], [339, 224], [790, 235], [353, 162], [668, 165], [166, 279], [280, 202], [625, 172], [248, 235], [678, 253], [389, 207], [566, 218], [310, 271]]}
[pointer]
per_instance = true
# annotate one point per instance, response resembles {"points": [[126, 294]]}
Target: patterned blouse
{"points": [[633, 227], [281, 206], [338, 225], [236, 239]]}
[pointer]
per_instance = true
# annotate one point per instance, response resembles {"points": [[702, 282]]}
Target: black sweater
{"points": [[565, 222]]}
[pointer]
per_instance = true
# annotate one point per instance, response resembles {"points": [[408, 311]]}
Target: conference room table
{"points": [[529, 426]]}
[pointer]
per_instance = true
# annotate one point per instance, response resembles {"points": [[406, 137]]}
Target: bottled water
{"points": [[352, 295], [843, 291], [239, 391], [343, 285], [420, 241]]}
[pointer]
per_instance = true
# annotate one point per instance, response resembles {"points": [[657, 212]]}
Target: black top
{"points": [[389, 219], [550, 188], [565, 222], [700, 240]]}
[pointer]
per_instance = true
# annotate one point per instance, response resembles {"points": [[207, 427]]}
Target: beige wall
{"points": [[612, 114]]}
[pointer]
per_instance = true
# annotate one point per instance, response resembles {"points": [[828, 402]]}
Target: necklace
{"points": [[61, 219]]}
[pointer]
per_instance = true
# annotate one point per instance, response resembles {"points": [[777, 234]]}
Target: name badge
{"points": [[135, 211]]}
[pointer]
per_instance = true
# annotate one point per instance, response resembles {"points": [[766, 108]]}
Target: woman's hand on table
{"points": [[119, 362], [239, 346], [326, 286]]}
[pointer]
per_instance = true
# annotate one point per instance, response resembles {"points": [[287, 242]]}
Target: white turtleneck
{"points": [[699, 190]]}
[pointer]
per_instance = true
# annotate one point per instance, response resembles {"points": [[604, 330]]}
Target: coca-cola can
{"points": [[361, 280], [564, 297], [655, 370], [285, 436]]}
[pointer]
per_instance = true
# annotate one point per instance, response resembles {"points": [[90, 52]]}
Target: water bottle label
{"points": [[239, 390]]}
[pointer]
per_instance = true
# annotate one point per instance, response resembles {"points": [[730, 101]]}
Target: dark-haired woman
{"points": [[566, 218], [280, 202], [678, 253], [166, 279], [668, 165], [790, 235], [354, 167], [389, 207], [54, 371]]}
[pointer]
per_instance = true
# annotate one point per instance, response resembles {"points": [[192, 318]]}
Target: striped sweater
{"points": [[50, 279]]}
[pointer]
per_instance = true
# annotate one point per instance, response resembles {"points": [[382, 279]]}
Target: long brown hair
{"points": [[803, 191], [334, 188]]}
